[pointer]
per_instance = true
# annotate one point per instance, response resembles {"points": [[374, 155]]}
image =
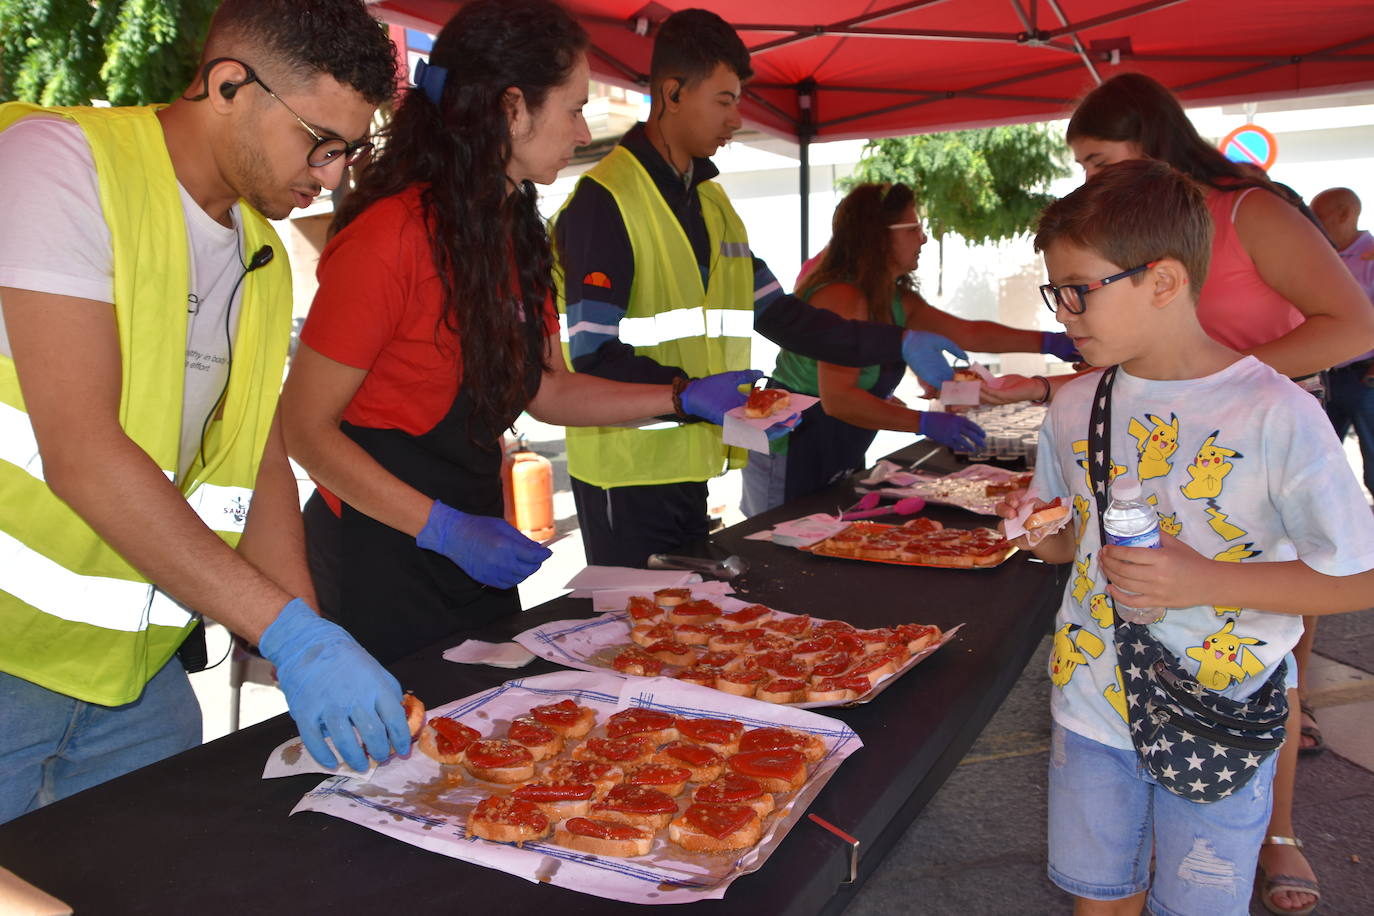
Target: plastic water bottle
{"points": [[1131, 522]]}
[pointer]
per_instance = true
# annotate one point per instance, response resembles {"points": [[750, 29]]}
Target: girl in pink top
{"points": [[1276, 288]]}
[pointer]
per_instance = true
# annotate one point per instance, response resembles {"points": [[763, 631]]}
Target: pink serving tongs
{"points": [[909, 505]]}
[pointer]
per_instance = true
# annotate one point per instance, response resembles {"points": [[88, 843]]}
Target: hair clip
{"points": [[431, 79]]}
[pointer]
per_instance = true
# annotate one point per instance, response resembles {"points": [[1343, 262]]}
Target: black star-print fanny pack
{"points": [[1196, 743]]}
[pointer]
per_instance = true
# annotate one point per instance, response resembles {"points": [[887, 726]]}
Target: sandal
{"points": [[1276, 884], [1312, 731]]}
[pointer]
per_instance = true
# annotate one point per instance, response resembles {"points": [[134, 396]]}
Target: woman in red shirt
{"points": [[433, 328]]}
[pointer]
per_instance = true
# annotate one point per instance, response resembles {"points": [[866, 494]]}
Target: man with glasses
{"points": [[143, 480]]}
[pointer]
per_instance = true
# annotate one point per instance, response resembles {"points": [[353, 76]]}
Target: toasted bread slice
{"points": [[639, 806], [733, 789], [646, 634], [762, 739], [445, 739], [703, 763], [541, 741], [508, 820], [653, 725], [672, 597], [565, 718], [750, 616], [499, 760], [668, 778], [622, 752], [415, 714], [604, 837], [782, 690], [604, 776], [672, 652], [765, 402], [716, 828], [558, 800], [776, 771]]}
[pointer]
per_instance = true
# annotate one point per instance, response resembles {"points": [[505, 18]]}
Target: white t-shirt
{"points": [[54, 239], [1241, 465]]}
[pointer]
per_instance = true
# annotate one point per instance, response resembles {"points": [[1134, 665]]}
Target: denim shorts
{"points": [[1108, 819], [53, 745]]}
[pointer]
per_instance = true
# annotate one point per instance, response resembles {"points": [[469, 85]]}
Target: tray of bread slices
{"points": [[919, 542], [647, 791], [738, 648], [977, 488]]}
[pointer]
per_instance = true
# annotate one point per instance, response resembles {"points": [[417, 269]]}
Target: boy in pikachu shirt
{"points": [[1261, 519]]}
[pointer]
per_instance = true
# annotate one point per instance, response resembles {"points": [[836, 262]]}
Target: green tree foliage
{"points": [[128, 52], [985, 185]]}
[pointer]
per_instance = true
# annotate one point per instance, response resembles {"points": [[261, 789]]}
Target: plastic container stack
{"points": [[1013, 431]]}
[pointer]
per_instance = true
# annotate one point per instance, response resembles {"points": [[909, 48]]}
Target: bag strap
{"points": [[1100, 457]]}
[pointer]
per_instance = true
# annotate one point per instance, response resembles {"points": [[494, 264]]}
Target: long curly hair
{"points": [[458, 151], [860, 249]]}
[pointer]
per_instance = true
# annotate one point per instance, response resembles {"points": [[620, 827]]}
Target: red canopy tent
{"points": [[837, 69]]}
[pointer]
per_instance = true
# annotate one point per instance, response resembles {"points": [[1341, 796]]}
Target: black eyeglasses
{"points": [[1072, 296], [327, 150]]}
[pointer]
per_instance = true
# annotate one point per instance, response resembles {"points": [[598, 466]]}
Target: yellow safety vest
{"points": [[675, 321], [75, 616]]}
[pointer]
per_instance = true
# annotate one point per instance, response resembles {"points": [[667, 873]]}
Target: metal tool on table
{"points": [[727, 568]]}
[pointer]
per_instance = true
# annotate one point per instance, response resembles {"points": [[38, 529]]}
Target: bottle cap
{"points": [[1126, 489]]}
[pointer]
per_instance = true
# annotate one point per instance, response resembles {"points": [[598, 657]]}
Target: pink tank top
{"points": [[1236, 306]]}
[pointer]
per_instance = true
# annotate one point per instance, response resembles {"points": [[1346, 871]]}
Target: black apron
{"points": [[392, 595], [824, 449]]}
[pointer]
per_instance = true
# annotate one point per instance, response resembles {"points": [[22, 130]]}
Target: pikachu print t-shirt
{"points": [[1244, 467]]}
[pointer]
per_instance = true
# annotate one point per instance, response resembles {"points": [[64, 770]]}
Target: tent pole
{"points": [[806, 94], [804, 189]]}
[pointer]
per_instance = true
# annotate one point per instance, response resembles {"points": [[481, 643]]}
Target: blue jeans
{"points": [[765, 480], [1350, 402], [1108, 817], [52, 745]]}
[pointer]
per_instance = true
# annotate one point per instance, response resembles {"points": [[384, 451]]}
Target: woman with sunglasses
{"points": [[865, 272], [1275, 289], [433, 328]]}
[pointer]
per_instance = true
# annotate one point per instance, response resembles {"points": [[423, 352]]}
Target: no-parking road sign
{"points": [[1251, 144]]}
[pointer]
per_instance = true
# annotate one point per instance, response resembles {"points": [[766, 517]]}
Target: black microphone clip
{"points": [[261, 258]]}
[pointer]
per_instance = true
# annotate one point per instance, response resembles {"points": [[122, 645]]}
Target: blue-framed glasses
{"points": [[1073, 296]]}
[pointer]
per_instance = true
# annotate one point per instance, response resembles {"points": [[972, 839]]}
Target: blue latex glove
{"points": [[778, 430], [925, 353], [486, 548], [710, 397], [333, 686], [959, 433], [1057, 343]]}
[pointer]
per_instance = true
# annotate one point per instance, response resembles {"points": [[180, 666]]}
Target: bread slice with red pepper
{"points": [[775, 770], [499, 760], [445, 739], [638, 806], [503, 819], [601, 837], [716, 828], [558, 800], [565, 718]]}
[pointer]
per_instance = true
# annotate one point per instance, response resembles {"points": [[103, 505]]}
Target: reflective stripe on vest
{"points": [[75, 616], [220, 508], [673, 320], [666, 327], [99, 601]]}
